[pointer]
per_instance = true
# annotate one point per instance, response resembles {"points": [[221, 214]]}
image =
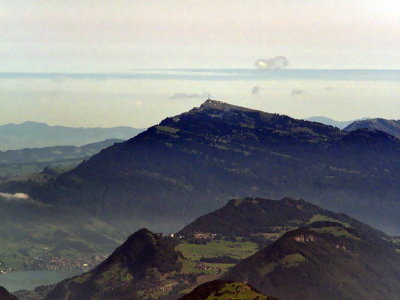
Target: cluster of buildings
{"points": [[205, 236], [206, 267], [50, 262]]}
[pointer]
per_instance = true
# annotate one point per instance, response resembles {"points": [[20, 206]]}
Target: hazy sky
{"points": [[93, 36], [118, 35]]}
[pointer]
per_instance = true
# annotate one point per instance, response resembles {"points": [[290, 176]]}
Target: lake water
{"points": [[28, 280]]}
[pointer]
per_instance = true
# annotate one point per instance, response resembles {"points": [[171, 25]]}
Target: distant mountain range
{"points": [[39, 135], [188, 164], [329, 121], [318, 254], [31, 160], [391, 127]]}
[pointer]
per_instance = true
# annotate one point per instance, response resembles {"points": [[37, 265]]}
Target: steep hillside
{"points": [[222, 290], [325, 260], [39, 135], [189, 164], [391, 127], [138, 269]]}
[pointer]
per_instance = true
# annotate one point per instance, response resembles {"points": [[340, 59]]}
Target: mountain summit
{"points": [[190, 163], [137, 265], [220, 105]]}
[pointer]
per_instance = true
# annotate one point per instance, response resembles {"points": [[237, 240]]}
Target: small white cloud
{"points": [[276, 63]]}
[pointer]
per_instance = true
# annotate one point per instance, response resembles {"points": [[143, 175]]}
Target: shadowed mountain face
{"points": [[189, 164], [222, 290], [131, 270], [391, 127], [5, 295], [39, 135], [326, 260]]}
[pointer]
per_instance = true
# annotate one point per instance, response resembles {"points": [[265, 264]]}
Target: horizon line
{"points": [[217, 74], [192, 69]]}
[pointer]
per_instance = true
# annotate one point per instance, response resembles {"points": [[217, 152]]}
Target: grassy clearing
{"points": [[238, 250], [167, 129], [336, 231]]}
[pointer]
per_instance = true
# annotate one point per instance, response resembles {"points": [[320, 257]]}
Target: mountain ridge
{"points": [[325, 260], [391, 127], [329, 121], [243, 152], [254, 216], [24, 163], [39, 135]]}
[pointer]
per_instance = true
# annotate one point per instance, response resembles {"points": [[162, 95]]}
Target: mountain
{"points": [[31, 160], [243, 226], [222, 290], [325, 260], [391, 127], [135, 270], [150, 265], [189, 164], [329, 121], [256, 217], [5, 295], [39, 135]]}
